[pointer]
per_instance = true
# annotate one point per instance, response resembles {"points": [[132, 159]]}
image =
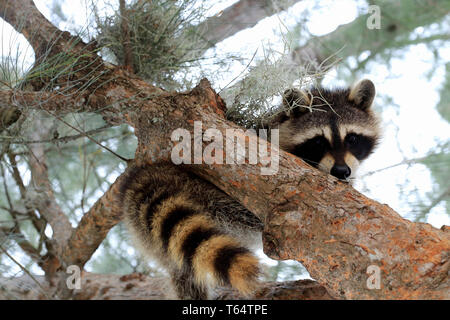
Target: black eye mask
{"points": [[312, 150], [359, 145]]}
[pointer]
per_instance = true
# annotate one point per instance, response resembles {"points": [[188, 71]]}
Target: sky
{"points": [[418, 131]]}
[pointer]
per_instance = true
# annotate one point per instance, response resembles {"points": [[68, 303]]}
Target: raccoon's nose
{"points": [[341, 172]]}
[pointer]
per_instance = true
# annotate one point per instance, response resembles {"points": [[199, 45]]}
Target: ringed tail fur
{"points": [[168, 223]]}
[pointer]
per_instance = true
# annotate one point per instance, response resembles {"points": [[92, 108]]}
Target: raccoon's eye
{"points": [[352, 139], [320, 141], [361, 146]]}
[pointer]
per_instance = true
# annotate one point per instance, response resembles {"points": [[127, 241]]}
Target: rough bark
{"points": [[336, 232], [140, 287]]}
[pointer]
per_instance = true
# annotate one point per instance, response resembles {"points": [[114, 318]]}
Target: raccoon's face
{"points": [[332, 130]]}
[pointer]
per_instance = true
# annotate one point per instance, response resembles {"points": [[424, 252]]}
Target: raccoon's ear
{"points": [[296, 101], [362, 94]]}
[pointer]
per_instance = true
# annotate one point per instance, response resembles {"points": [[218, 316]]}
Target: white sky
{"points": [[420, 127]]}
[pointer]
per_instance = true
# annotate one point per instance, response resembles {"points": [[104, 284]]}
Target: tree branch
{"points": [[64, 139], [93, 227], [44, 38], [241, 15], [138, 286], [358, 38], [44, 199], [21, 241], [440, 197], [126, 42], [50, 101]]}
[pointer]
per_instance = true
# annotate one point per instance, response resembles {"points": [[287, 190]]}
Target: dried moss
{"points": [[256, 99], [163, 35]]}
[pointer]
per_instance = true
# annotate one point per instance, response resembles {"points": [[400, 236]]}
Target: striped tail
{"points": [[187, 238], [192, 241]]}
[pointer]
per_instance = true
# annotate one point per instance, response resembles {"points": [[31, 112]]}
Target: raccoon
{"points": [[332, 130], [202, 236]]}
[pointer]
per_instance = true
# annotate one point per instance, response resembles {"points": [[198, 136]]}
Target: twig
{"points": [[433, 203], [62, 139], [26, 271], [86, 135], [404, 162], [246, 67]]}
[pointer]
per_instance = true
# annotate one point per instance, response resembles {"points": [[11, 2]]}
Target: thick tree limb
{"points": [[44, 199], [93, 228], [138, 286], [241, 15], [44, 38], [333, 230]]}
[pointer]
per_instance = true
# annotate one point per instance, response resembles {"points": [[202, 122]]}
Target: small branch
{"points": [[64, 139], [401, 163], [5, 187], [88, 136], [45, 200], [433, 204], [16, 175], [26, 271], [38, 223], [21, 241], [418, 40], [93, 227], [126, 41]]}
